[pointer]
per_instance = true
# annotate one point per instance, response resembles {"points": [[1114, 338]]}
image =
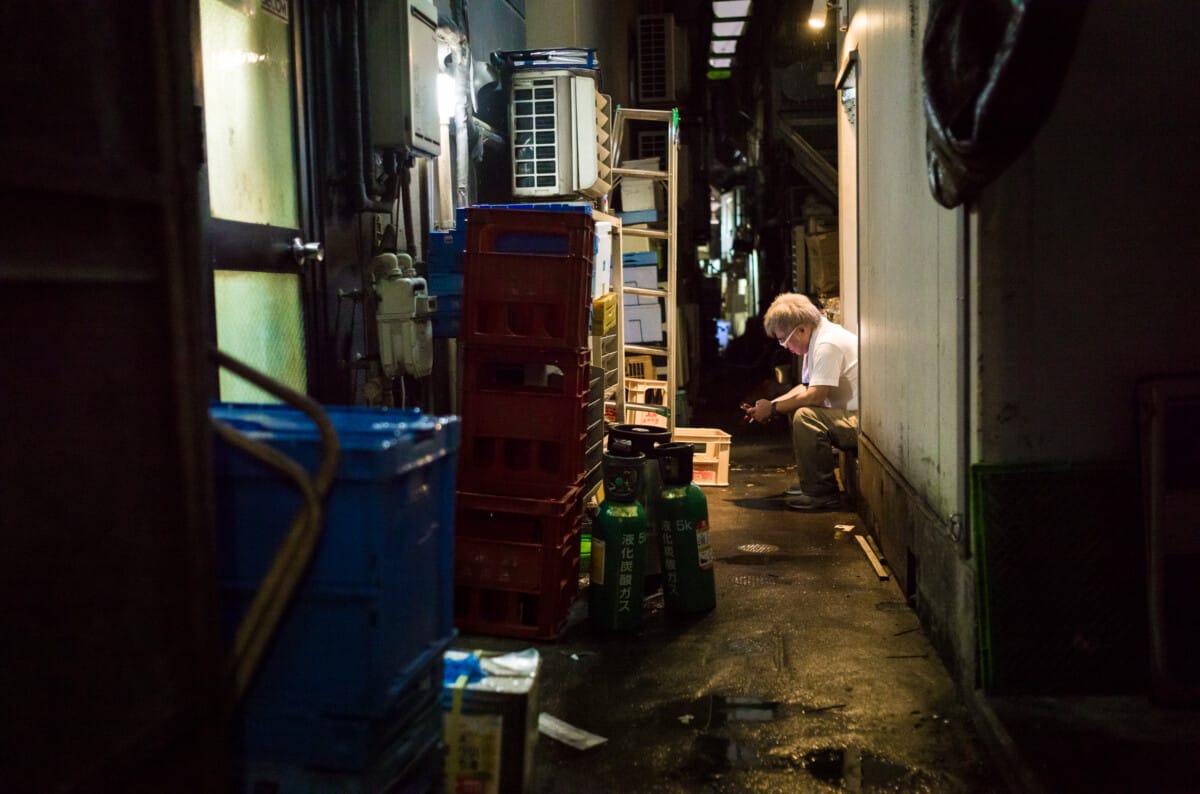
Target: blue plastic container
{"points": [[391, 753], [639, 258], [378, 595], [447, 321], [446, 251], [445, 284]]}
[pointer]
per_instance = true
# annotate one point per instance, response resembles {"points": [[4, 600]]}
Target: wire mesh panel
{"points": [[1062, 579], [535, 135]]}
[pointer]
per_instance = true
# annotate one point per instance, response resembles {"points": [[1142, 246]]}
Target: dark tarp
{"points": [[992, 71]]}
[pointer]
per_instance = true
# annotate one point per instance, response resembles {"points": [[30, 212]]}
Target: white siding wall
{"points": [[910, 262]]}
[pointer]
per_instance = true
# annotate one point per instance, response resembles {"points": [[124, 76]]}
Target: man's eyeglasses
{"points": [[783, 342]]}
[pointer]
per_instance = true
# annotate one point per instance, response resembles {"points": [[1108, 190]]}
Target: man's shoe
{"points": [[805, 502], [794, 490]]}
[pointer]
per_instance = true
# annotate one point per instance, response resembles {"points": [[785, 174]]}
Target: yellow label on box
{"points": [[476, 749]]}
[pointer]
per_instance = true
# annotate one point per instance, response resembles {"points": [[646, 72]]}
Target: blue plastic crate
{"points": [[546, 206], [446, 251], [318, 753], [379, 591], [447, 321], [639, 258], [638, 216], [445, 284]]}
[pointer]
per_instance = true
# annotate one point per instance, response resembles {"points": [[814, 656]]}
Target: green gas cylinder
{"points": [[619, 547], [687, 556], [626, 440]]}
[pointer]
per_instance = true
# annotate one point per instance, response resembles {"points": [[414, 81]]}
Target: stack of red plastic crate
{"points": [[526, 296]]}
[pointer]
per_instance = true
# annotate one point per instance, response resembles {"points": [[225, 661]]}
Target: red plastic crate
{"points": [[516, 561], [492, 230], [533, 300], [525, 614], [526, 370], [525, 567], [519, 516], [510, 437]]}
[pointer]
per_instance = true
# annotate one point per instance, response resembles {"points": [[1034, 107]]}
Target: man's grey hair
{"points": [[789, 310]]}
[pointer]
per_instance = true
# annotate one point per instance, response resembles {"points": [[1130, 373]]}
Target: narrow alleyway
{"points": [[811, 675]]}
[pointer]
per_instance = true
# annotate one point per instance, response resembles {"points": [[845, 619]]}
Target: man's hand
{"points": [[761, 411]]}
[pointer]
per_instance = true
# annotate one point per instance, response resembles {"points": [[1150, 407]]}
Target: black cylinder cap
{"points": [[641, 437], [675, 461]]}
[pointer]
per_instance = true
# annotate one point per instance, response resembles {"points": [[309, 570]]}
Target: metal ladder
{"points": [[668, 177]]}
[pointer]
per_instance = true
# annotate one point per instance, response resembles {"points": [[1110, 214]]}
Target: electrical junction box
{"points": [[402, 70]]}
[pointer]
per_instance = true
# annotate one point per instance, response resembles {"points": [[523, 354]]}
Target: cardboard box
{"points": [[640, 194], [604, 315], [490, 716], [823, 277], [632, 244]]}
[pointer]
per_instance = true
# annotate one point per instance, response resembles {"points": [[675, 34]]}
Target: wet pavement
{"points": [[811, 674]]}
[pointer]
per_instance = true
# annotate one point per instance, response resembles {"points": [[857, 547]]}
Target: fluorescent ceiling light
{"points": [[720, 63], [724, 46], [726, 9], [725, 30], [816, 18]]}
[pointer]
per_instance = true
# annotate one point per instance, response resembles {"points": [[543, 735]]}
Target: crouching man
{"points": [[824, 407]]}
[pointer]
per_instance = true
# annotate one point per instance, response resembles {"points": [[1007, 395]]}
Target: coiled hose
{"points": [[295, 552]]}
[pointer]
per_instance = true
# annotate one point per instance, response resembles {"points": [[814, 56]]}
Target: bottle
{"points": [[689, 584], [618, 547]]}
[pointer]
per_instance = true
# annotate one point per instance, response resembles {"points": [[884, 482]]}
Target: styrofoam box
{"points": [[710, 466], [602, 264], [643, 324], [645, 276]]}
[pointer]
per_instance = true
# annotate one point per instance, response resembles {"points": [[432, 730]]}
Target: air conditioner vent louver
{"points": [[535, 134], [656, 58]]}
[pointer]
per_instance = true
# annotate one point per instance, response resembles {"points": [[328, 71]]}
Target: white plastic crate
{"points": [[645, 391], [710, 463], [654, 417]]}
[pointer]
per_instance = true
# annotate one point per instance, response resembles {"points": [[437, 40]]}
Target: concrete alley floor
{"points": [[812, 674]]}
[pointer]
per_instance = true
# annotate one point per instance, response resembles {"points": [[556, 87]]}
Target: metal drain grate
{"points": [[758, 548]]}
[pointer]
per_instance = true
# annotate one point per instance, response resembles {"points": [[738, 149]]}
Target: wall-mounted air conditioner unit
{"points": [[652, 143], [655, 58], [559, 127]]}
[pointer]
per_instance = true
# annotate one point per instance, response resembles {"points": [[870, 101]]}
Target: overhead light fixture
{"points": [[816, 18], [731, 9], [720, 63], [724, 46], [726, 30]]}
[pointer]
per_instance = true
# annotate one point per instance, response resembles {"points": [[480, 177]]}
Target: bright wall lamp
{"points": [[816, 17]]}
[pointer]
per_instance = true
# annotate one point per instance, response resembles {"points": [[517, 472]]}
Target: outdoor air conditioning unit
{"points": [[560, 127], [655, 58]]}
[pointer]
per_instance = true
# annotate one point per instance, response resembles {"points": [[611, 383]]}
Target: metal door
{"points": [[256, 220]]}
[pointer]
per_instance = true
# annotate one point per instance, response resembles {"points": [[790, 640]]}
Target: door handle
{"points": [[304, 252]]}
